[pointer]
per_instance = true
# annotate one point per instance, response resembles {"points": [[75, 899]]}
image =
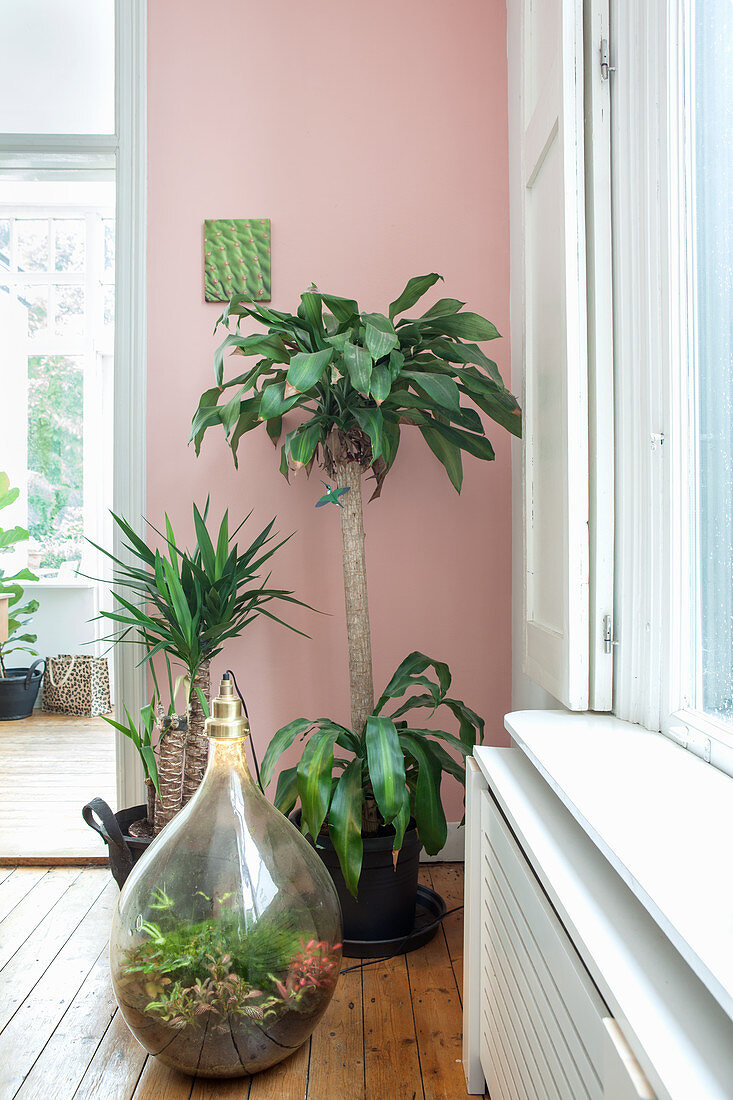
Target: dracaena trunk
{"points": [[197, 743], [348, 475]]}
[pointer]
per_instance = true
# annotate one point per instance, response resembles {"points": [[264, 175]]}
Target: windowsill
{"points": [[54, 582], [660, 816]]}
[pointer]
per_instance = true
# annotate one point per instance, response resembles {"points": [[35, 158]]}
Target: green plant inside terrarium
{"points": [[186, 970]]}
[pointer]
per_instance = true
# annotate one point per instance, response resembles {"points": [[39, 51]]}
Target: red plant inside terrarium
{"points": [[314, 967]]}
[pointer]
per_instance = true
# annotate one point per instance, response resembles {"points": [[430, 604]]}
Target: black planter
{"points": [[124, 850], [19, 690], [384, 908]]}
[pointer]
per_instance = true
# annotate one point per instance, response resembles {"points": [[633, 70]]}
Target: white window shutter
{"points": [[546, 87]]}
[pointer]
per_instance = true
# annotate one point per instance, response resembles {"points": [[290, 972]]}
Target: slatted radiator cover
{"points": [[542, 1031]]}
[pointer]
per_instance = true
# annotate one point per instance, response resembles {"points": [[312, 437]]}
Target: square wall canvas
{"points": [[237, 259]]}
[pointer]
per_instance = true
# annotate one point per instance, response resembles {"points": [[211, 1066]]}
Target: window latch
{"points": [[608, 639], [606, 68]]}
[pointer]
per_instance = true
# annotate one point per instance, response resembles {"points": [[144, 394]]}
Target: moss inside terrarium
{"points": [[216, 969]]}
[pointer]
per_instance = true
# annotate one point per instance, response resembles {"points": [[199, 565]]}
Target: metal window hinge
{"points": [[606, 68], [608, 639]]}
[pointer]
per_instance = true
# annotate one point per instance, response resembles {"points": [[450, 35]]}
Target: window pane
{"points": [[4, 242], [713, 177], [31, 244], [57, 64], [36, 300], [109, 246], [55, 469], [70, 247], [69, 317]]}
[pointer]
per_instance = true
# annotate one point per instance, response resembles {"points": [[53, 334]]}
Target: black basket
{"points": [[19, 690], [124, 850]]}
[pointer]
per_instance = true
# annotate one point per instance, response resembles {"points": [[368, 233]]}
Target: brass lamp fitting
{"points": [[227, 723]]}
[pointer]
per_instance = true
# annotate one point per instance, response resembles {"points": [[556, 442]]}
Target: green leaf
{"points": [[442, 389], [466, 326], [286, 792], [372, 423], [444, 307], [511, 419], [314, 778], [381, 383], [447, 454], [274, 402], [477, 445], [13, 535], [380, 335], [266, 345], [344, 824], [455, 352], [281, 741], [401, 821], [386, 765], [408, 673], [358, 366], [429, 816], [413, 292], [301, 443], [343, 309], [307, 369], [151, 766]]}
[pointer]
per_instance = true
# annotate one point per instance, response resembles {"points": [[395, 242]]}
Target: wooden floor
{"points": [[50, 765], [391, 1032]]}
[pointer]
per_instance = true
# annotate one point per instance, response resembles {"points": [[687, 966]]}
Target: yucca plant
{"points": [[141, 735], [185, 605], [353, 380]]}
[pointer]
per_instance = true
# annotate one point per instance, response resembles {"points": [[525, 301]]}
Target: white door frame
{"points": [[126, 152], [130, 348]]}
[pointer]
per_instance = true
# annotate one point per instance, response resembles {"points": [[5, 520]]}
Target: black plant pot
{"points": [[384, 909], [19, 690], [124, 850]]}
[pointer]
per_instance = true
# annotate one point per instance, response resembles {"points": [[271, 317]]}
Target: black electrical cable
{"points": [[385, 958], [246, 715]]}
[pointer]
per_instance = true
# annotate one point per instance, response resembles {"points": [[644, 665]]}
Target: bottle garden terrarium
{"points": [[225, 945]]}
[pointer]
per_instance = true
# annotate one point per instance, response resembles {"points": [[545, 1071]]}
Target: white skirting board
{"points": [[454, 846]]}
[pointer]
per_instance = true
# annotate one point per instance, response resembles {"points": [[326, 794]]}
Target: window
{"points": [[57, 244], [711, 499]]}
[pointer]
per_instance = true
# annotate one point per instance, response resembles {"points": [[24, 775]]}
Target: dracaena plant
{"points": [[349, 382], [186, 604], [401, 764]]}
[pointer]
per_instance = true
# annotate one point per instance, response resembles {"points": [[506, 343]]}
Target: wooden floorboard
{"points": [[50, 765], [391, 1032]]}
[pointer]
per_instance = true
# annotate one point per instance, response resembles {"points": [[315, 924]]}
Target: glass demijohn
{"points": [[225, 944]]}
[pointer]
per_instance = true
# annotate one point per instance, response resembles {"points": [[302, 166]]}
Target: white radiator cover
{"points": [[571, 991]]}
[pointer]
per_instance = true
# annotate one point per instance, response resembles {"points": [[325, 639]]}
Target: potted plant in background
{"points": [[18, 685], [356, 379], [184, 606]]}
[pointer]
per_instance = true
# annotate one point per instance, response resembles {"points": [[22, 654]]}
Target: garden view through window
{"points": [[57, 270]]}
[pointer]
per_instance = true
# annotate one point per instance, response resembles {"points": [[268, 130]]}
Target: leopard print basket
{"points": [[76, 685]]}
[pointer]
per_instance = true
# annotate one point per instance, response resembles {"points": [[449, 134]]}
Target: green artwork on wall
{"points": [[237, 259]]}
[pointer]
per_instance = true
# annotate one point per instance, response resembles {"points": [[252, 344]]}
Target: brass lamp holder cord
{"points": [[246, 715]]}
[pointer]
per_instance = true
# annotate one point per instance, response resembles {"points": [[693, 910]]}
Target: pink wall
{"points": [[375, 138]]}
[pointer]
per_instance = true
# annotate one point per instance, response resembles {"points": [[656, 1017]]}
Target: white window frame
{"points": [[655, 359], [126, 151]]}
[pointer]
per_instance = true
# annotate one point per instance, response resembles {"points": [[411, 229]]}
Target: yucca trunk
{"points": [[197, 743], [348, 475], [171, 750]]}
